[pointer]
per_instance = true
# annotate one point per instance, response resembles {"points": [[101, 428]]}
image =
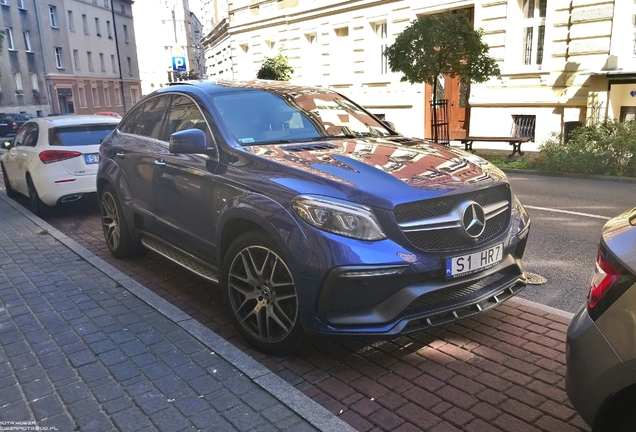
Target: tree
{"points": [[275, 68], [441, 44]]}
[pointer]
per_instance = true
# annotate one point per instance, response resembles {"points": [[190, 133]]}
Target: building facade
{"points": [[80, 56], [168, 43], [563, 62]]}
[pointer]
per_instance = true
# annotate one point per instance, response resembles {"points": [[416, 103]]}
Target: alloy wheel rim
{"points": [[110, 221], [263, 294]]}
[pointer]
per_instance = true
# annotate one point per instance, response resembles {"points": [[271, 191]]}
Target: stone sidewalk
{"points": [[79, 352]]}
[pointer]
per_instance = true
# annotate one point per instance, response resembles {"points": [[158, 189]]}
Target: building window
{"points": [[95, 96], [71, 21], [89, 56], [53, 16], [123, 9], [134, 95], [109, 29], [8, 34], [534, 12], [380, 30], [27, 40], [102, 64], [106, 96], [34, 81], [85, 23], [21, 4], [129, 61], [113, 64], [98, 28], [82, 97], [58, 58], [126, 33], [106, 4], [4, 3], [17, 80], [94, 2], [523, 126], [76, 60], [118, 96]]}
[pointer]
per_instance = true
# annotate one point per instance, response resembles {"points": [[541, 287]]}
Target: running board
{"points": [[180, 258]]}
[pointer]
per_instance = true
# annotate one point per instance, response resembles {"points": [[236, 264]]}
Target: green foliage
{"points": [[275, 68], [607, 148], [444, 43], [527, 161]]}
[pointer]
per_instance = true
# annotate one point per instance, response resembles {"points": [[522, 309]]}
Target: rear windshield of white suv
{"points": [[69, 136]]}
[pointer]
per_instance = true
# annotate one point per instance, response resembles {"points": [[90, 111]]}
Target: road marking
{"points": [[568, 212]]}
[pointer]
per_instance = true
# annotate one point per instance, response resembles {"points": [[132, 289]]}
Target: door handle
{"points": [[160, 162], [120, 155]]}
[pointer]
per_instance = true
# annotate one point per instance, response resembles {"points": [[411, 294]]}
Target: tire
{"points": [[260, 294], [7, 186], [628, 424], [37, 206], [115, 226]]}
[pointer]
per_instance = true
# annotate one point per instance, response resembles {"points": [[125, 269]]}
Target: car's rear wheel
{"points": [[37, 206], [7, 186], [260, 293], [115, 225]]}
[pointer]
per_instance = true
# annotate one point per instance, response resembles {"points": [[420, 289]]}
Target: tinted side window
{"points": [[185, 114], [130, 122], [151, 120], [31, 135], [19, 137]]}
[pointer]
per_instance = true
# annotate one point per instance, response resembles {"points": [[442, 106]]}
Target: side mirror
{"points": [[6, 145], [388, 124], [188, 141]]}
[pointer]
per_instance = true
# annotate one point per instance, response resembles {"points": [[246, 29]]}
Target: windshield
{"points": [[69, 136], [259, 117]]}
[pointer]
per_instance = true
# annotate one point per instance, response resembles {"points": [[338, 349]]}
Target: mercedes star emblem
{"points": [[474, 220]]}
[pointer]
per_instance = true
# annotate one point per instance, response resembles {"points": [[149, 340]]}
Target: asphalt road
{"points": [[562, 246]]}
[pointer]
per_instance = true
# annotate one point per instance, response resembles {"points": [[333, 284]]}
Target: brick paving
{"points": [[80, 353], [500, 371]]}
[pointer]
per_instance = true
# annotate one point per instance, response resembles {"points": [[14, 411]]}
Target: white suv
{"points": [[54, 159]]}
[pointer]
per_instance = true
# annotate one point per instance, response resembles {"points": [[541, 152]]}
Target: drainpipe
{"points": [[121, 76], [46, 64]]}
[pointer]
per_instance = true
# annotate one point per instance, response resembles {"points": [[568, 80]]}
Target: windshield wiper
{"points": [[280, 141]]}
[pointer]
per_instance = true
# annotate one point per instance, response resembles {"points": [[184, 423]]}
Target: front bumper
{"points": [[594, 370]]}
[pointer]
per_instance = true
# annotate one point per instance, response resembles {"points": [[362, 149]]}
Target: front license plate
{"points": [[472, 263], [91, 158]]}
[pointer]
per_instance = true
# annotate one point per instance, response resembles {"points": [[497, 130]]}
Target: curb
{"points": [[544, 308], [287, 394], [571, 175]]}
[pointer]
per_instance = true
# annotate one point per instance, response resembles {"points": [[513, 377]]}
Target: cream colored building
{"points": [[562, 61]]}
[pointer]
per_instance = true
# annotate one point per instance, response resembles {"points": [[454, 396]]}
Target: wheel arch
{"points": [[614, 409]]}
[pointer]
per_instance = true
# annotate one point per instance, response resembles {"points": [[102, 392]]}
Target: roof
{"points": [[74, 120]]}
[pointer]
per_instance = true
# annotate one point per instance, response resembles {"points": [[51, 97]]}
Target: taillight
{"points": [[50, 156], [604, 278], [14, 124]]}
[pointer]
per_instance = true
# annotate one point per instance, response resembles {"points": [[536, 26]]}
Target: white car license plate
{"points": [[472, 263], [91, 158]]}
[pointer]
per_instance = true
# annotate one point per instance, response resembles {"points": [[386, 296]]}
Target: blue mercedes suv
{"points": [[311, 214]]}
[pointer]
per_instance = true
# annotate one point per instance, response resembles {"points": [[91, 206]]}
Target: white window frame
{"points": [[76, 60], [533, 42], [380, 30], [34, 81], [71, 21], [21, 5], [118, 96], [129, 62], [89, 58], [53, 16], [98, 27], [107, 4], [4, 3], [102, 63], [109, 30], [126, 33], [85, 23], [8, 36], [27, 41], [59, 63], [95, 96], [134, 95], [123, 9], [113, 63], [82, 96], [17, 80], [106, 96]]}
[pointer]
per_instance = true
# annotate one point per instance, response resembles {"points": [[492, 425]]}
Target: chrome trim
{"points": [[451, 220]]}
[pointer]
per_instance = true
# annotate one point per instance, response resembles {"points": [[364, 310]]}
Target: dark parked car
{"points": [[601, 342], [310, 212], [10, 123]]}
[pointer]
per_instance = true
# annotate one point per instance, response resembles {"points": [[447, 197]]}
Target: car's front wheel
{"points": [[260, 293], [115, 225], [37, 205], [7, 186]]}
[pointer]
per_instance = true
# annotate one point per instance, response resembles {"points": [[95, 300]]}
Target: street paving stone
{"points": [[455, 377], [64, 368]]}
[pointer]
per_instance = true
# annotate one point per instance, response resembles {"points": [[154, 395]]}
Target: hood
{"points": [[619, 234], [378, 172]]}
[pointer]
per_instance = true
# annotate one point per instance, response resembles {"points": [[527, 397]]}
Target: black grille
{"points": [[451, 294], [438, 240]]}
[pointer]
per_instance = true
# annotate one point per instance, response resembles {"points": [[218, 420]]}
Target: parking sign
{"points": [[178, 64]]}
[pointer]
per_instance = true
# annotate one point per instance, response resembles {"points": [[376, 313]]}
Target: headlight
{"points": [[338, 217], [520, 219]]}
